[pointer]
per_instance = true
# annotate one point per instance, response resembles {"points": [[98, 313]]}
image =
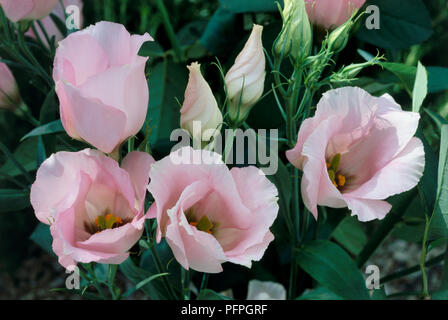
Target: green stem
{"points": [[95, 282], [170, 31], [204, 281], [111, 280], [294, 174], [186, 284], [412, 270], [161, 269], [229, 144], [425, 290]]}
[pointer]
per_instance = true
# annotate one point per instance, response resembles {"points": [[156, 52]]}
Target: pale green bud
{"points": [[295, 38]]}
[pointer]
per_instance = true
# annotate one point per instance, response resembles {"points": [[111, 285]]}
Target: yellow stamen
{"points": [[109, 221], [341, 180]]}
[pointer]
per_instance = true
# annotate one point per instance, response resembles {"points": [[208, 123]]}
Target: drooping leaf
{"points": [[319, 293], [403, 23], [49, 128], [439, 222], [332, 268], [350, 234]]}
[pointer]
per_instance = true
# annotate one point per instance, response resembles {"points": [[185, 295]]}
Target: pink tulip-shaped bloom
{"points": [[210, 214], [50, 27], [9, 92], [357, 151], [94, 207], [330, 14], [21, 10], [101, 84]]}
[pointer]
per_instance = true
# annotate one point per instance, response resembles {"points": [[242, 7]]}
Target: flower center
{"points": [[336, 177], [204, 224], [109, 221]]}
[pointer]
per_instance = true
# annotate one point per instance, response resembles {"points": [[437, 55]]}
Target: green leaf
{"points": [[403, 23], [218, 31], [49, 128], [25, 154], [242, 6], [438, 79], [438, 119], [405, 73], [420, 88], [167, 82], [333, 268], [152, 289], [42, 236], [282, 181], [319, 293], [208, 294], [143, 283], [151, 49], [351, 235], [439, 221], [13, 200]]}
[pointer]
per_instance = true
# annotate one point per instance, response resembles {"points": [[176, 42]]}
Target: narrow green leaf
{"points": [[42, 236], [420, 88], [208, 294], [319, 293], [332, 268], [351, 235], [49, 128], [439, 220], [141, 284], [438, 119]]}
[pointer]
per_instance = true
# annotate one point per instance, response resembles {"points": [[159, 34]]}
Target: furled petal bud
{"points": [[9, 92], [295, 39], [245, 80], [200, 107]]}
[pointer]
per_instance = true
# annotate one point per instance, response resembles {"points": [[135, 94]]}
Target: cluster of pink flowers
{"points": [[355, 152]]}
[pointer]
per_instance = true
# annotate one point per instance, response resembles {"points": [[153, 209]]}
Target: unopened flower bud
{"points": [[295, 39], [245, 80], [9, 92], [200, 107], [338, 38]]}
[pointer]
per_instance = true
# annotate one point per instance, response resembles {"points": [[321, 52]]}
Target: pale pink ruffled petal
{"points": [[400, 175], [138, 165], [91, 117]]}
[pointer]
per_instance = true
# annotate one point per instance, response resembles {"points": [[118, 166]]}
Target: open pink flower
{"points": [[95, 208], [101, 84], [210, 214], [19, 10], [331, 13], [9, 92], [50, 27], [357, 151]]}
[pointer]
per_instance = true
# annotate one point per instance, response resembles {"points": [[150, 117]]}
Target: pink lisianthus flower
{"points": [[357, 151], [23, 10], [330, 14], [210, 214], [101, 85], [94, 207]]}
